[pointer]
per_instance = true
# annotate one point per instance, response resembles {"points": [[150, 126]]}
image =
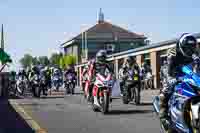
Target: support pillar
{"points": [[139, 60], [116, 68], [155, 66], [80, 76]]}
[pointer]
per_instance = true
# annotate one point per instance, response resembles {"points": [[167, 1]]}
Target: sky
{"points": [[39, 26]]}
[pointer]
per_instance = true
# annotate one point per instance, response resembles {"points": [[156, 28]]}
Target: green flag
{"points": [[4, 57]]}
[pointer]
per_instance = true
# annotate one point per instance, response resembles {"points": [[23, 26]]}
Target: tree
{"points": [[43, 60], [26, 61], [55, 59], [67, 60], [35, 61]]}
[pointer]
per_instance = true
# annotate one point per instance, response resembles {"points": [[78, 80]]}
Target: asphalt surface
{"points": [[10, 121], [72, 114]]}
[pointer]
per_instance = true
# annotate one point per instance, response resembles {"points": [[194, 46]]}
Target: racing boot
{"points": [[163, 113]]}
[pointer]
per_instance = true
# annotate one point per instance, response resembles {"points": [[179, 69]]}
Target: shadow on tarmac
{"points": [[10, 121], [143, 104], [125, 112]]}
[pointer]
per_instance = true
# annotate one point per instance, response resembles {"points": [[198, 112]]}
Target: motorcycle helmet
{"points": [[164, 62], [131, 59], [13, 73], [186, 45], [101, 55]]}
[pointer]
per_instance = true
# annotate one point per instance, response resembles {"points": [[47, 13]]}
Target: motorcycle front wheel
{"points": [[71, 88], [105, 105], [20, 90], [94, 107], [125, 97], [37, 91], [136, 95]]}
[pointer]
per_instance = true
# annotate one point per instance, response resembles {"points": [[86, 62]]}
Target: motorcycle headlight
{"points": [[108, 83], [105, 83]]}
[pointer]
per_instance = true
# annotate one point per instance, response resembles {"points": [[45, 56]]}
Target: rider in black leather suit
{"points": [[184, 53]]}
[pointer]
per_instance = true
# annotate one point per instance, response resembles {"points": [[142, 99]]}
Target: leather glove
{"points": [[196, 58]]}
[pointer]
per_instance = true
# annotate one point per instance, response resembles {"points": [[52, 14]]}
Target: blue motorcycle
{"points": [[57, 82], [184, 103]]}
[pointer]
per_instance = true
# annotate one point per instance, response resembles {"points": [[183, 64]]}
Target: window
{"points": [[110, 47]]}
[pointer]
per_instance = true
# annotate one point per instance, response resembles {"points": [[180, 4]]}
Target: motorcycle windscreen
{"points": [[195, 76]]}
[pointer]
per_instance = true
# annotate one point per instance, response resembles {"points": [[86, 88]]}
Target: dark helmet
{"points": [[13, 73], [101, 55], [164, 62], [131, 59], [35, 69], [186, 45]]}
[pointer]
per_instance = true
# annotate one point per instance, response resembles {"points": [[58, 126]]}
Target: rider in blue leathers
{"points": [[184, 53], [70, 70]]}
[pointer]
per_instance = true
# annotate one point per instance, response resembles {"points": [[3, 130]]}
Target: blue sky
{"points": [[38, 26]]}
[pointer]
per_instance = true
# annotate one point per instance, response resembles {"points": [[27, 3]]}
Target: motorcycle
{"points": [[184, 103], [43, 86], [21, 86], [57, 82], [131, 89], [36, 85], [87, 84], [102, 93], [70, 84]]}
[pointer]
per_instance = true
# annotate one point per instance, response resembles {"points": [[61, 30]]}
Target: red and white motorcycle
{"points": [[87, 88], [102, 92]]}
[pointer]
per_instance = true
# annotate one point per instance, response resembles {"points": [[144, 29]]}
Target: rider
{"points": [[22, 74], [70, 70], [100, 64], [57, 77], [34, 71], [184, 53], [129, 64]]}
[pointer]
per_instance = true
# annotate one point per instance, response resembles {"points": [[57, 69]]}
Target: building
{"points": [[154, 53], [103, 35]]}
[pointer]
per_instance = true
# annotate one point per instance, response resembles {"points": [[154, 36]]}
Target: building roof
{"points": [[108, 31], [154, 45]]}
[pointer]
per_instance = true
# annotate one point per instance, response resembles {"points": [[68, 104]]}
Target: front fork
{"points": [[98, 95]]}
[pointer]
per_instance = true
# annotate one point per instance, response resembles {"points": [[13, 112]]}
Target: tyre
{"points": [[125, 98], [15, 89], [37, 91], [105, 105], [94, 107], [195, 124], [136, 96], [20, 89], [66, 89], [71, 88]]}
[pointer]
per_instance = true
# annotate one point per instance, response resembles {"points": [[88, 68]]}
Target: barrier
{"points": [[4, 84]]}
